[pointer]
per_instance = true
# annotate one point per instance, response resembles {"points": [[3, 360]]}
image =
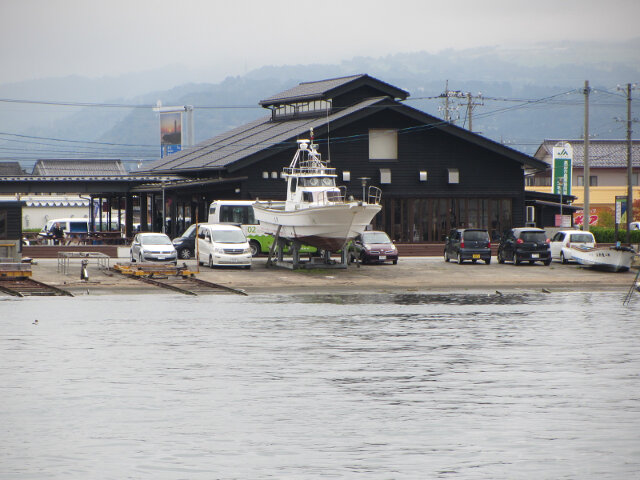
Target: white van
{"points": [[68, 225], [240, 213], [223, 245]]}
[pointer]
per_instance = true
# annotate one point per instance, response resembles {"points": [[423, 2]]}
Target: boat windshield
{"points": [[317, 181], [228, 236]]}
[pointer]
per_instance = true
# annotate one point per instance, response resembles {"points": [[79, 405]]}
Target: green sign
{"points": [[561, 168]]}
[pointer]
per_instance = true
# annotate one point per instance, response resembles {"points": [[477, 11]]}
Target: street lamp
{"points": [[363, 180]]}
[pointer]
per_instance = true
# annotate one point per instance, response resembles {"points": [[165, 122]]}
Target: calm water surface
{"points": [[378, 387]]}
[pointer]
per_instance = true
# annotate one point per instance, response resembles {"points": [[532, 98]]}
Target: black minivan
{"points": [[468, 244], [524, 245]]}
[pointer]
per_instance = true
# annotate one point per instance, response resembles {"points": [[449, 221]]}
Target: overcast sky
{"points": [[44, 38]]}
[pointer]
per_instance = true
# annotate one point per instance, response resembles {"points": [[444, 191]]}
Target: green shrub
{"points": [[608, 235]]}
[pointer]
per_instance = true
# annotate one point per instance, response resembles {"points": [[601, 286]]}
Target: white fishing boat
{"points": [[611, 259], [316, 211]]}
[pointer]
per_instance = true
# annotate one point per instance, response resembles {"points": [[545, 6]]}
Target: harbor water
{"points": [[465, 386]]}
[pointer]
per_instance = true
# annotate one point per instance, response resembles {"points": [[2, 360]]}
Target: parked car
{"points": [[152, 247], [468, 244], [185, 244], [223, 245], [373, 247], [524, 245], [562, 241]]}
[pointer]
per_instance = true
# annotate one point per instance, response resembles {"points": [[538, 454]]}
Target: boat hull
{"points": [[607, 259], [326, 227]]}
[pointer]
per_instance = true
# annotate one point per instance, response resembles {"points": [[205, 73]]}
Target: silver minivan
{"points": [[223, 245]]}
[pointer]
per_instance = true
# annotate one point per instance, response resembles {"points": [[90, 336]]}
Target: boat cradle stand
{"points": [[276, 256]]}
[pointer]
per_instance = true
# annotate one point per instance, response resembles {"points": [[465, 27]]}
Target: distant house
{"points": [[434, 175], [79, 167], [11, 169], [607, 171], [38, 208]]}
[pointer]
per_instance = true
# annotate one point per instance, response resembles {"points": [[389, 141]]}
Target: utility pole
{"points": [[587, 208], [447, 104], [470, 105], [629, 164]]}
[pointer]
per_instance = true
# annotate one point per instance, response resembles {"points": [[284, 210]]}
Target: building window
{"points": [[383, 144], [634, 179], [454, 175], [385, 175], [593, 180]]}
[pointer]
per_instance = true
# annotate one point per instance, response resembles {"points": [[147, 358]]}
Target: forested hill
{"points": [[521, 96]]}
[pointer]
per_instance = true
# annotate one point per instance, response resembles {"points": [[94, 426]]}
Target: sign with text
{"points": [[170, 132], [561, 169], [621, 209], [563, 221]]}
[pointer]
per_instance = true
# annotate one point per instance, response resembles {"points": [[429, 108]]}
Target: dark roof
{"points": [[326, 89], [66, 168], [602, 153], [11, 169], [256, 137], [261, 138]]}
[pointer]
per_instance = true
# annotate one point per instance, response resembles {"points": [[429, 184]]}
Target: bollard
{"points": [[84, 274]]}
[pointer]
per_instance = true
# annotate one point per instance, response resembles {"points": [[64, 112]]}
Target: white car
{"points": [[223, 245], [152, 247], [562, 241]]}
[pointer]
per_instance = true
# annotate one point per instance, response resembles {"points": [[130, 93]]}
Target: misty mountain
{"points": [[527, 95]]}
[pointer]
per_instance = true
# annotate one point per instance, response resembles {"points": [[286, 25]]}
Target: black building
{"points": [[433, 175]]}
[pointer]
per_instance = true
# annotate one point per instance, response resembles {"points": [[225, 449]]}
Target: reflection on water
{"points": [[320, 386], [496, 298]]}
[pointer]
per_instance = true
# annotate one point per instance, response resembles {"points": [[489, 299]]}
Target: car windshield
{"points": [[190, 232], [476, 235], [534, 237], [375, 237], [581, 238], [155, 240], [228, 236]]}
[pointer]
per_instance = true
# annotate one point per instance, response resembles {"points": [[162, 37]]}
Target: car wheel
{"points": [[488, 261], [363, 259], [500, 257], [140, 258], [446, 256], [516, 260], [185, 254], [563, 258], [547, 262], [255, 248], [395, 262], [210, 261], [133, 260], [459, 259]]}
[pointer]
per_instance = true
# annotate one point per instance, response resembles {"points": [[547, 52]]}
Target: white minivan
{"points": [[223, 245]]}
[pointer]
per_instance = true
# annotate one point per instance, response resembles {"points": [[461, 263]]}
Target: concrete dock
{"points": [[411, 274]]}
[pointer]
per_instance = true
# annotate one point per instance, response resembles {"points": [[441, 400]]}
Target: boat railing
{"points": [[374, 195], [339, 196], [309, 170]]}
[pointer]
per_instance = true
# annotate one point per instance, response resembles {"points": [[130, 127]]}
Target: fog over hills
{"points": [[527, 95]]}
